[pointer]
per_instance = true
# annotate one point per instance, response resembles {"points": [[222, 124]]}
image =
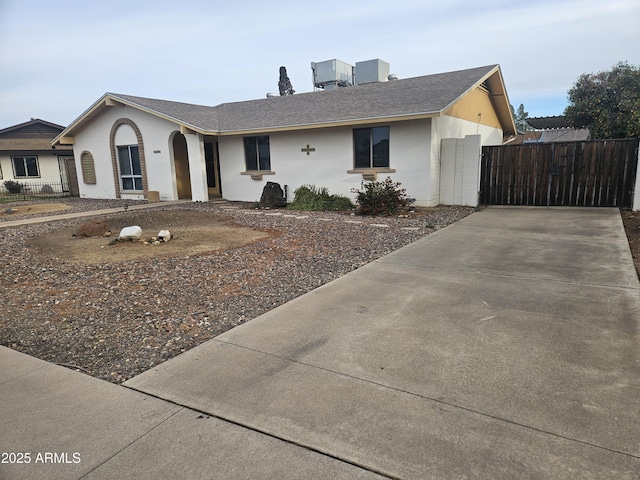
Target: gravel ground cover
{"points": [[115, 320]]}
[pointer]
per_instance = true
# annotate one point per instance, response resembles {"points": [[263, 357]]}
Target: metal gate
{"points": [[599, 173]]}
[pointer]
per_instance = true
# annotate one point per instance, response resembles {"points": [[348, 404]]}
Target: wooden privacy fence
{"points": [[599, 173]]}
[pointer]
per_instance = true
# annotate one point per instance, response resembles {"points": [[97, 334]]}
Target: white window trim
{"points": [[13, 166]]}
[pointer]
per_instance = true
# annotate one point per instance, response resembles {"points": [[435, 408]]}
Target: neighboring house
{"points": [[550, 130], [425, 132], [26, 156]]}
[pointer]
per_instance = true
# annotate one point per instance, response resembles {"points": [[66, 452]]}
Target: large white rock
{"points": [[164, 235], [130, 233]]}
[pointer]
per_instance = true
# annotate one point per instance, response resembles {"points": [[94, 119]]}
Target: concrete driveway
{"points": [[504, 346]]}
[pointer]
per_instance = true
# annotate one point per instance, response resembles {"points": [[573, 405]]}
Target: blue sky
{"points": [[58, 57]]}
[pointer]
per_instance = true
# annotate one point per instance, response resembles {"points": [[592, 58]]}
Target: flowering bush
{"points": [[380, 198]]}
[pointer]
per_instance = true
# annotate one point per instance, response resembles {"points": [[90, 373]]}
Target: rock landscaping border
{"points": [[116, 320]]}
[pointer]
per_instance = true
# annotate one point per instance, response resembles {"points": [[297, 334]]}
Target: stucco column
{"points": [[197, 167], [471, 170]]}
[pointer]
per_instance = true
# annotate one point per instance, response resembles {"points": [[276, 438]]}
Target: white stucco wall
{"points": [[47, 167], [197, 168], [414, 154], [460, 170], [450, 127], [156, 136], [327, 166]]}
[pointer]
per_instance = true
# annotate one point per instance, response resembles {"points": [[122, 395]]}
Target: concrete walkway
{"points": [[90, 213], [504, 346]]}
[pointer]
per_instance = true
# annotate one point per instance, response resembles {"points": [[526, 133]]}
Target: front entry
{"points": [[213, 168], [68, 176], [181, 161]]}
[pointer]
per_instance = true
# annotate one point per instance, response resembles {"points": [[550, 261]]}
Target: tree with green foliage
{"points": [[520, 117], [607, 103]]}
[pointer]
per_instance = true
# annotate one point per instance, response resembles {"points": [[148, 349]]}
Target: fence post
{"points": [[636, 191]]}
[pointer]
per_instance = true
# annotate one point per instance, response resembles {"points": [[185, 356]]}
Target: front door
{"points": [[213, 168], [181, 160], [68, 176]]}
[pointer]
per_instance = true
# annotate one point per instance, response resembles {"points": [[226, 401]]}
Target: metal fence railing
{"points": [[14, 191]]}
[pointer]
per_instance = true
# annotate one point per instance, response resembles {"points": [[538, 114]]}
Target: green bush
{"points": [[309, 197], [380, 198]]}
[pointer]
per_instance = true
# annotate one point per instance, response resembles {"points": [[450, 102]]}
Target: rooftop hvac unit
{"points": [[372, 71], [330, 74]]}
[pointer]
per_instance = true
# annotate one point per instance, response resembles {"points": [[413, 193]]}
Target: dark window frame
{"points": [[371, 147], [130, 168], [23, 170], [257, 153]]}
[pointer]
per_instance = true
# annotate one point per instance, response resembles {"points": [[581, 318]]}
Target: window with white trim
{"points": [[371, 147], [130, 171], [25, 166]]}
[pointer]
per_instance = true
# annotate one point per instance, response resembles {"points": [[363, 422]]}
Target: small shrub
{"points": [[309, 197], [13, 187], [380, 198]]}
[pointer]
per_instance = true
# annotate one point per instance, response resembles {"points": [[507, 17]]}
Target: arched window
{"points": [[127, 158]]}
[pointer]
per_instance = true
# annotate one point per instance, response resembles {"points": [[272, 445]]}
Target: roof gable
{"points": [[32, 136], [33, 128]]}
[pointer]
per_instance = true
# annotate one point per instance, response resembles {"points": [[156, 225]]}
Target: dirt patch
{"points": [[192, 232], [631, 221], [34, 209]]}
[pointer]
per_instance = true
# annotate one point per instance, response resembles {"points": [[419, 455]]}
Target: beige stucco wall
{"points": [[475, 102], [47, 167]]}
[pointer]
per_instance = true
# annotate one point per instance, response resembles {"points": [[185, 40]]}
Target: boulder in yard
{"points": [[133, 234], [272, 196], [164, 235], [93, 228]]}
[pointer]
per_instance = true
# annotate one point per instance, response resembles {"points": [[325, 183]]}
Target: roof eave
{"points": [[503, 109], [341, 123], [498, 90], [111, 100], [183, 125], [85, 117]]}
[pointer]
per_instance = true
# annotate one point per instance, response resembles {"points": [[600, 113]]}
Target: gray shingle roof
{"points": [[430, 94], [200, 116], [16, 145]]}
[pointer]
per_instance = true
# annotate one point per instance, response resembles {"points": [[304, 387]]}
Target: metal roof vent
{"points": [[392, 77], [271, 95], [332, 74], [372, 71]]}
